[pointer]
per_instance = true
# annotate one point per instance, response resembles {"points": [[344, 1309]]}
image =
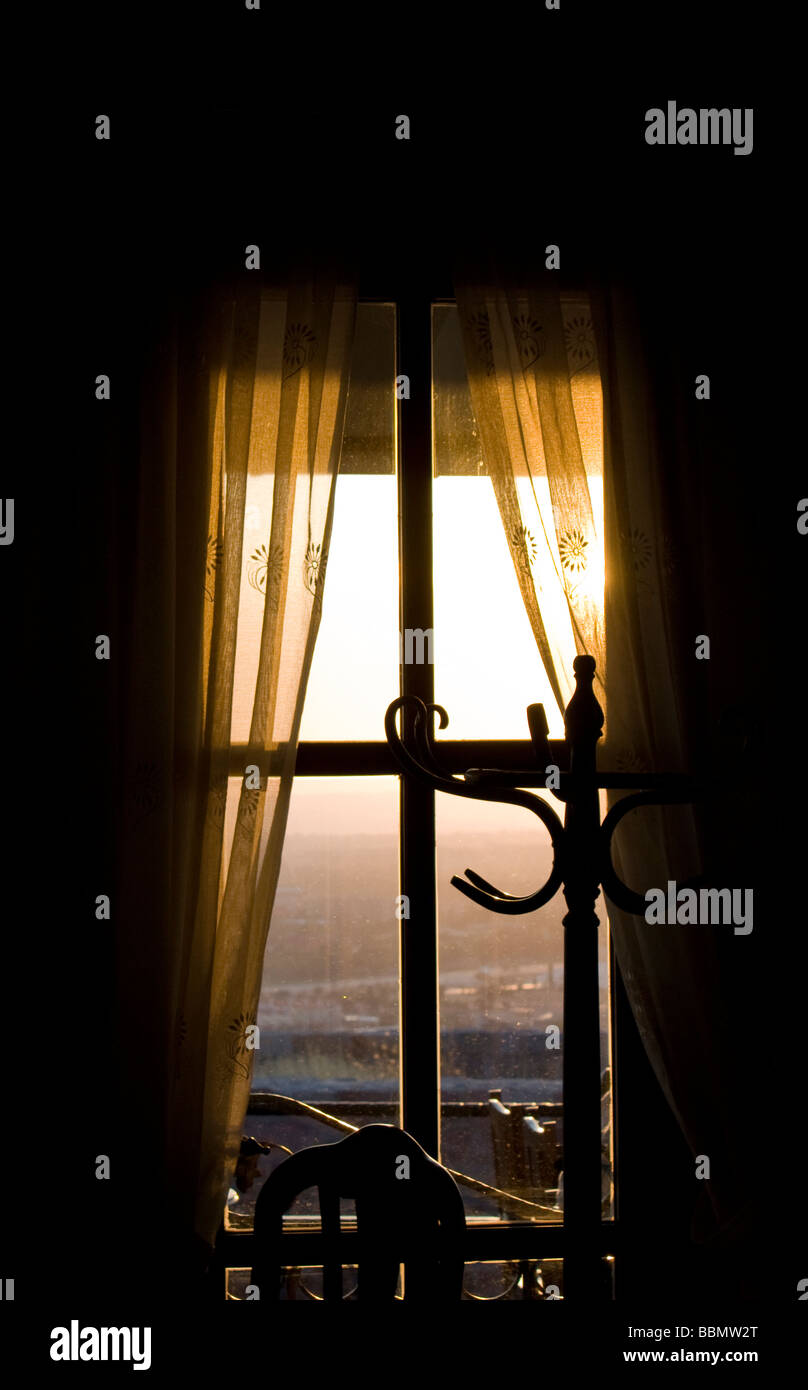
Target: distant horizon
{"points": [[358, 805]]}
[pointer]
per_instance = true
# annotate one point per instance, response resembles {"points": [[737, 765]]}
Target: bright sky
{"points": [[355, 673]]}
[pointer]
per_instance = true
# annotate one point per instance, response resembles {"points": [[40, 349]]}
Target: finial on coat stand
{"points": [[539, 731], [583, 717]]}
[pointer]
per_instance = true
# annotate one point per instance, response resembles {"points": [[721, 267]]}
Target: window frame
{"points": [[419, 1103]]}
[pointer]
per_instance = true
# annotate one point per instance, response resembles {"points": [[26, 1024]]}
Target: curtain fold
{"points": [[676, 569], [243, 410], [531, 365], [536, 358]]}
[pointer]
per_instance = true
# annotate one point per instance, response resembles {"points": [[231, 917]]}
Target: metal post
{"points": [[581, 1057], [420, 1024]]}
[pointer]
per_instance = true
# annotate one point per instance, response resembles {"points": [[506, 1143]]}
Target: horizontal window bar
{"points": [[498, 1240], [264, 1103], [374, 759]]}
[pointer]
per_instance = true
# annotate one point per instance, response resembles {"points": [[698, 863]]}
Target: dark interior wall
{"points": [[184, 189]]}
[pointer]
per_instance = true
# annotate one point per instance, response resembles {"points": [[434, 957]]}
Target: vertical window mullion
{"points": [[420, 1025]]}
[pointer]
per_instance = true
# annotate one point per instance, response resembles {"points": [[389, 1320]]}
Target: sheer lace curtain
{"points": [[552, 377], [243, 413], [531, 364]]}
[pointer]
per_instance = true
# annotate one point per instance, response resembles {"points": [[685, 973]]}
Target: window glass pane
{"points": [[355, 672], [487, 666], [367, 445], [328, 1011], [483, 1281], [303, 1283], [457, 450], [509, 1280], [607, 1094], [329, 998], [501, 989], [501, 980]]}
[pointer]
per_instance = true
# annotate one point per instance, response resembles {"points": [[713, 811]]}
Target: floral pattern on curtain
{"points": [[532, 369], [243, 418]]}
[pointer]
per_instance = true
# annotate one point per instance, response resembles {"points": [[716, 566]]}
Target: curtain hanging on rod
{"points": [[242, 418]]}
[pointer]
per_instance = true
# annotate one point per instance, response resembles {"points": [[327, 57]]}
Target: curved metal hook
{"points": [[613, 886], [424, 738], [432, 776], [477, 888], [485, 893], [482, 892], [483, 883]]}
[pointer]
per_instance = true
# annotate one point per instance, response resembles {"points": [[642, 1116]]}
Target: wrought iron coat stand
{"points": [[582, 862]]}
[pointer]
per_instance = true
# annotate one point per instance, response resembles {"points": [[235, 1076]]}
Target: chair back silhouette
{"points": [[510, 1166], [541, 1149], [408, 1211]]}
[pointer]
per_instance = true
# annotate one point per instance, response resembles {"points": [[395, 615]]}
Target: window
{"points": [[441, 1029]]}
